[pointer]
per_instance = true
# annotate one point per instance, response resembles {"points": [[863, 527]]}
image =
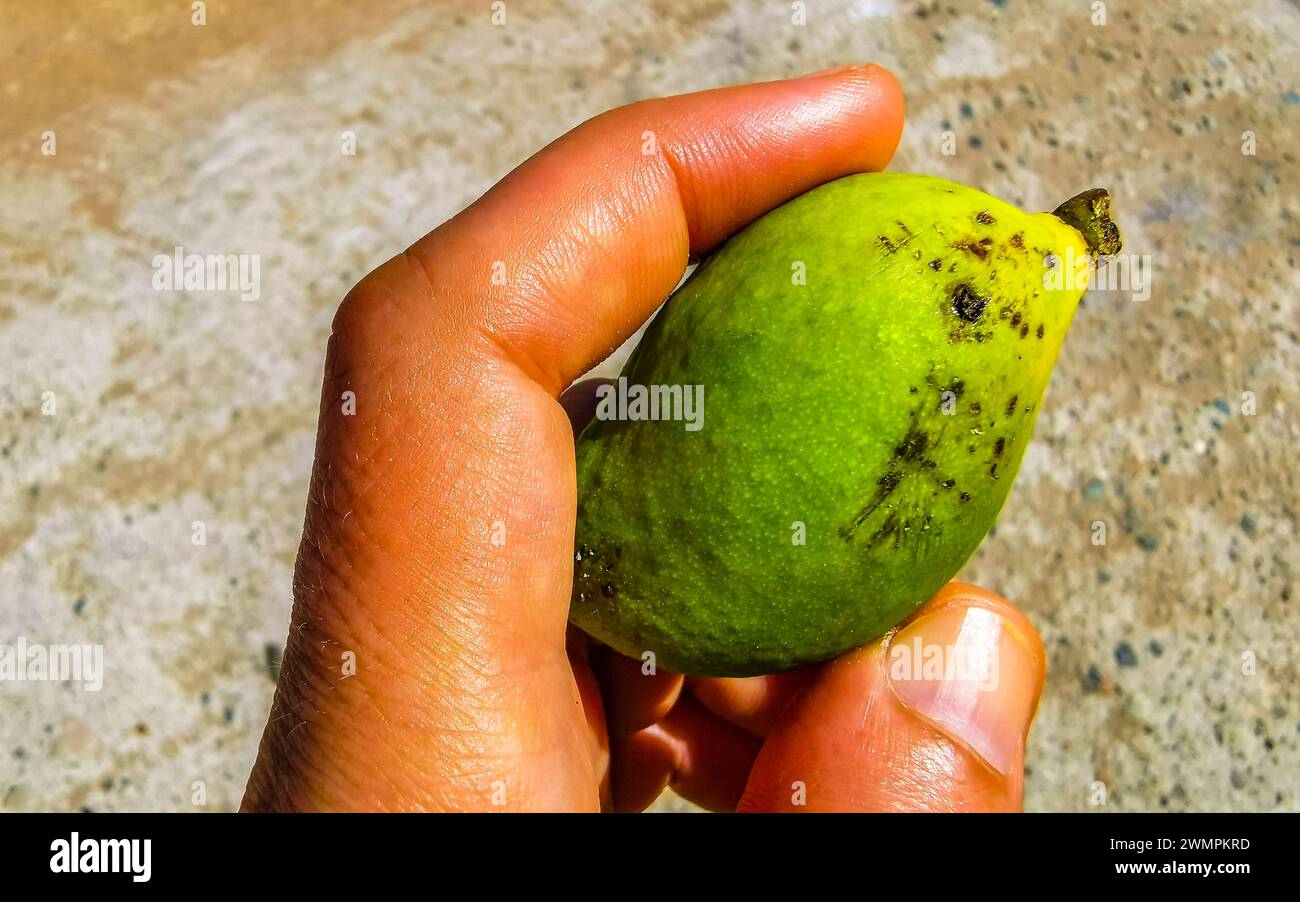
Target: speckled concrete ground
{"points": [[172, 408]]}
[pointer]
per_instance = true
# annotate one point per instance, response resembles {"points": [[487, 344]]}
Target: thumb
{"points": [[932, 717]]}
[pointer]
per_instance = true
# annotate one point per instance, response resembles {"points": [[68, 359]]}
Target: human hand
{"points": [[429, 667]]}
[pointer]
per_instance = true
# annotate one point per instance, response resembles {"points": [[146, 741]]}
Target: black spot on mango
{"points": [[967, 304]]}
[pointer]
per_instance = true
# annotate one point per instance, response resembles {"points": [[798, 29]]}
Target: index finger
{"points": [[565, 257]]}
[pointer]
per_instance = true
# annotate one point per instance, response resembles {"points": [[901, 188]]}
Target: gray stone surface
{"points": [[173, 408]]}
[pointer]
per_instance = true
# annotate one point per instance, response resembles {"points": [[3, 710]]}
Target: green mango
{"points": [[870, 358]]}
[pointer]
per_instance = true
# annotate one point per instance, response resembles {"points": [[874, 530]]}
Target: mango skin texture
{"points": [[861, 431]]}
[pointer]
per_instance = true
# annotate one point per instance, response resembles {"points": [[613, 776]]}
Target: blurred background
{"points": [[1171, 420]]}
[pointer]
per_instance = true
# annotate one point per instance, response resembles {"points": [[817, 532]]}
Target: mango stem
{"points": [[1089, 213]]}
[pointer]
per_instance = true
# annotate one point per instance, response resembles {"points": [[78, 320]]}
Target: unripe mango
{"points": [[872, 357]]}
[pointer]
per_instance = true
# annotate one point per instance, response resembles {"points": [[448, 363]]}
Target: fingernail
{"points": [[835, 70], [974, 674]]}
